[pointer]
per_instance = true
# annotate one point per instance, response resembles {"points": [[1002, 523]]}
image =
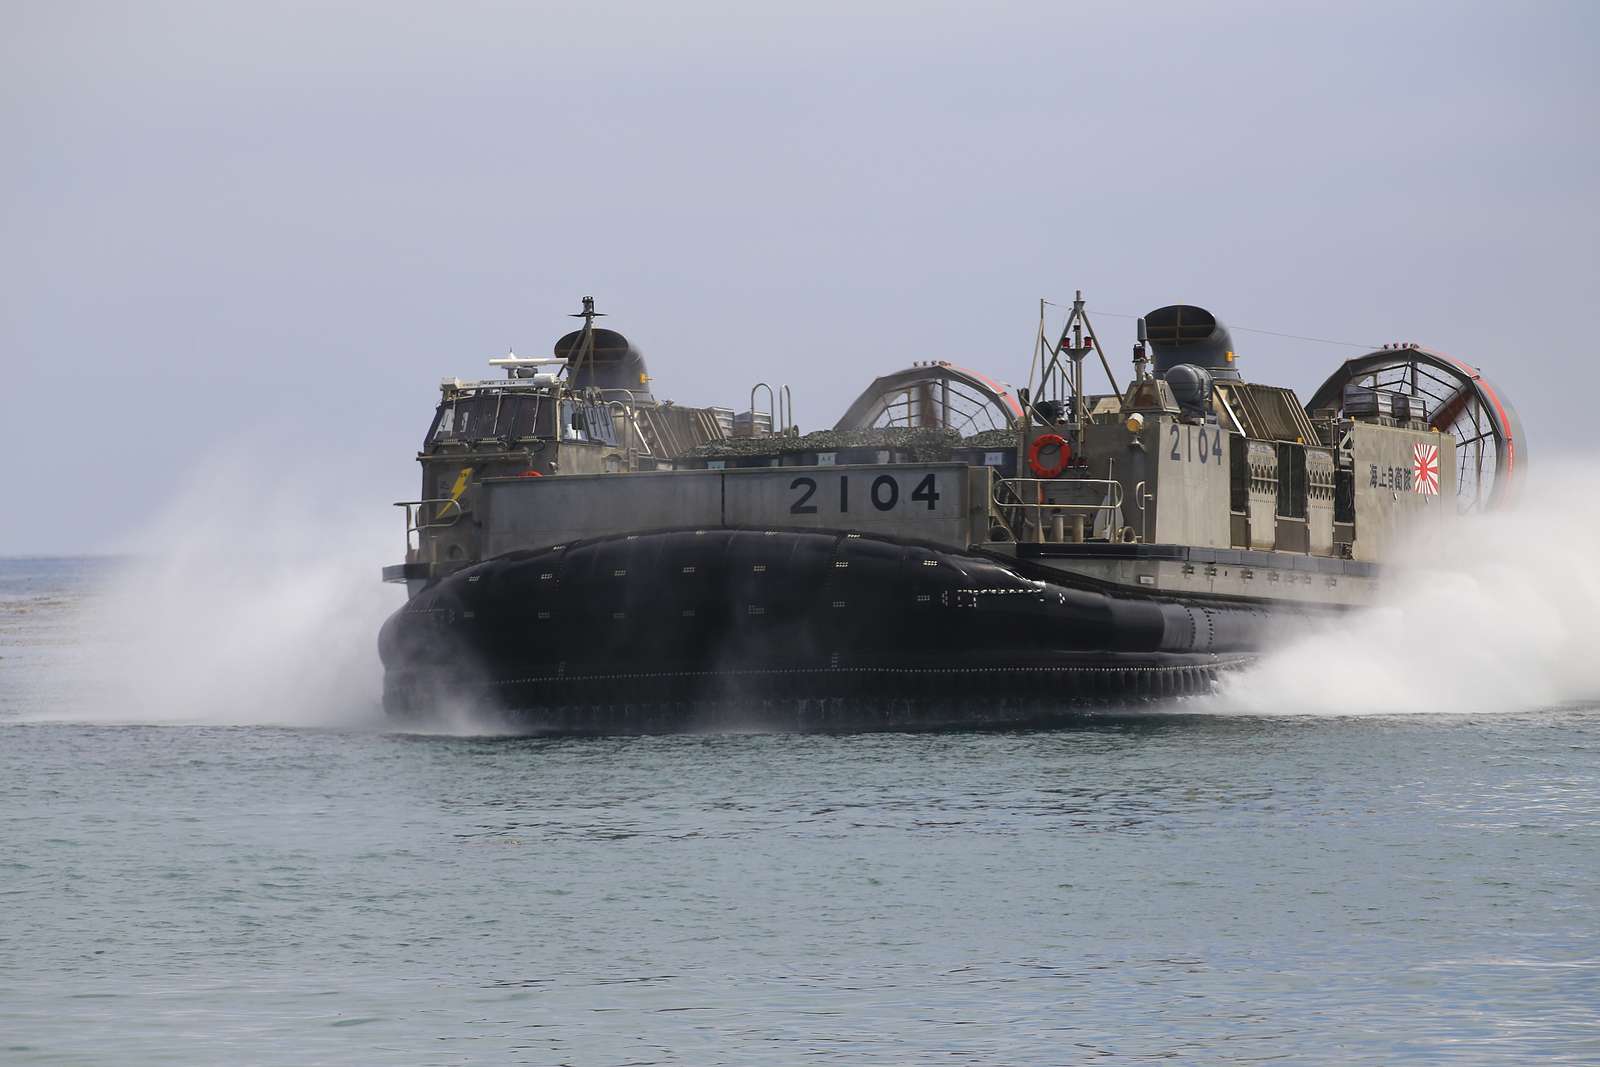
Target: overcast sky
{"points": [[269, 229]]}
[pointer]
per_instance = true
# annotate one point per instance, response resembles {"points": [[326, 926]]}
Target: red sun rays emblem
{"points": [[1425, 469]]}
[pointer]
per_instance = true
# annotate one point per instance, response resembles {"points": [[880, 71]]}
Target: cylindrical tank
{"points": [[1183, 333], [1191, 387]]}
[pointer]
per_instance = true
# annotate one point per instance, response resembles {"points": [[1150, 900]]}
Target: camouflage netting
{"points": [[925, 445], [991, 439]]}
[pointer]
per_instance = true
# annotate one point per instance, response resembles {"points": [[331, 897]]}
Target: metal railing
{"points": [[415, 514], [1043, 519], [631, 428], [780, 409]]}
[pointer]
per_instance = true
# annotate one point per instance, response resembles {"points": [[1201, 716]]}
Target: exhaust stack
{"points": [[1183, 333]]}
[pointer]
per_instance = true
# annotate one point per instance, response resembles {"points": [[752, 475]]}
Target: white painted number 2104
{"points": [[1192, 443]]}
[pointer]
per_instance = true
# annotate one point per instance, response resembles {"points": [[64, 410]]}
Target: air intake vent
{"points": [[1183, 333]]}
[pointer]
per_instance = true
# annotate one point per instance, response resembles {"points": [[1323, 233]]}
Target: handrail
{"points": [[1111, 483], [997, 509], [1142, 496], [1034, 513], [780, 408], [449, 501], [772, 408], [413, 519], [631, 428]]}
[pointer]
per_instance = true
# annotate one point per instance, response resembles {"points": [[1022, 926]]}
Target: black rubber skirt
{"points": [[682, 630]]}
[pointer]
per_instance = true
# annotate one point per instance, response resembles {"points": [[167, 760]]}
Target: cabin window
{"points": [[544, 417], [601, 428], [479, 416], [1291, 481], [587, 422], [524, 415], [443, 421], [1238, 475], [574, 420], [476, 415]]}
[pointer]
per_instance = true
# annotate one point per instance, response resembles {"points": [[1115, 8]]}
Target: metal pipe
{"points": [[1077, 365]]}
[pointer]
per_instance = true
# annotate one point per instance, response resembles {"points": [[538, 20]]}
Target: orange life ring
{"points": [[1042, 442], [530, 473]]}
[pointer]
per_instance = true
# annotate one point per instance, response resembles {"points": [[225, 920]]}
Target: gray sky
{"points": [[269, 229]]}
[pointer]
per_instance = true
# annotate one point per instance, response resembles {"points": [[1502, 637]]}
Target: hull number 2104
{"points": [[1193, 444], [882, 492]]}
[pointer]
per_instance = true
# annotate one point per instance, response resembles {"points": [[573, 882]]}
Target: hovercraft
{"points": [[585, 558]]}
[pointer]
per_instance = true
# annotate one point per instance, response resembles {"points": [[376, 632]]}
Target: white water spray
{"points": [[1495, 613], [245, 603]]}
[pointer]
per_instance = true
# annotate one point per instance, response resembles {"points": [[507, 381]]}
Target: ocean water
{"points": [[201, 863]]}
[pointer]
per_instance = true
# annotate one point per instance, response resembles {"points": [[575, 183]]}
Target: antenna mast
{"points": [[1055, 378], [585, 345]]}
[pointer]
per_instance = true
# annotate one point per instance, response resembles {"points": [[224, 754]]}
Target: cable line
{"points": [[1241, 329]]}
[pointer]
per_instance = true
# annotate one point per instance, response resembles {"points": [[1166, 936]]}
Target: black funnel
{"points": [[1183, 333], [614, 364]]}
